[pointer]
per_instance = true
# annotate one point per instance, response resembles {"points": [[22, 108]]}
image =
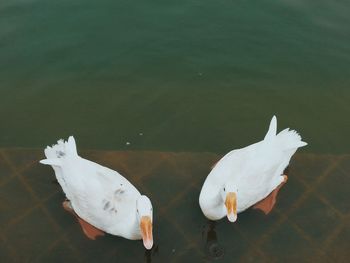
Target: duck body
{"points": [[102, 197], [98, 195], [252, 172]]}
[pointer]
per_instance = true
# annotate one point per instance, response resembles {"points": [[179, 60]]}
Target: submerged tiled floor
{"points": [[310, 223]]}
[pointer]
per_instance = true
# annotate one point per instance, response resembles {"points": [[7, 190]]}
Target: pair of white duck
{"points": [[104, 201]]}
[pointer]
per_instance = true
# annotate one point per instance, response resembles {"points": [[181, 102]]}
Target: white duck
{"points": [[246, 176], [100, 196]]}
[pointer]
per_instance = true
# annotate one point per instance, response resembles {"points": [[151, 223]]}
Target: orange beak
{"points": [[231, 206], [146, 231]]}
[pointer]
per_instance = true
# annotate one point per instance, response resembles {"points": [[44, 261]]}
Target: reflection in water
{"points": [[212, 248], [149, 253]]}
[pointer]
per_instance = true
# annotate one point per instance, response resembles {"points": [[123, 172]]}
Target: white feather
{"points": [[255, 171], [99, 195]]}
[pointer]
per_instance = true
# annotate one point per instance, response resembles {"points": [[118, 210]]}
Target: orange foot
{"points": [[89, 230], [269, 202]]}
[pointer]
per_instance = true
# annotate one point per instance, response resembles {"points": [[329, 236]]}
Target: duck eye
{"points": [[224, 189], [137, 210]]}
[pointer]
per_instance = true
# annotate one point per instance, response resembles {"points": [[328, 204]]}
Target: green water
{"points": [[175, 76], [189, 75]]}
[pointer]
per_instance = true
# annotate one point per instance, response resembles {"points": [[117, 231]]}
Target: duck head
{"points": [[229, 197], [144, 212]]}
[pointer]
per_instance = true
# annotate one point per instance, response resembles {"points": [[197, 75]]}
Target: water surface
{"points": [[189, 80], [310, 222], [191, 75]]}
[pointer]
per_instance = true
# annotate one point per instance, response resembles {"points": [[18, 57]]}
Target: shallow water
{"points": [[310, 222], [189, 80]]}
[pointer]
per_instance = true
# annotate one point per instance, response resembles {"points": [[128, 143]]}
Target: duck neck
{"points": [[213, 207], [131, 227]]}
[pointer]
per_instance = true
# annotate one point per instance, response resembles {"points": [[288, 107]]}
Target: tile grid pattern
{"points": [[174, 161], [17, 173], [284, 215]]}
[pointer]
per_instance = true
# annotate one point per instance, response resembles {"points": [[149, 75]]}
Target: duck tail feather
{"points": [[271, 133], [53, 162], [290, 139], [62, 149]]}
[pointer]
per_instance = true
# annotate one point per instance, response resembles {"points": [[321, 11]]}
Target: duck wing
{"points": [[101, 196], [98, 195]]}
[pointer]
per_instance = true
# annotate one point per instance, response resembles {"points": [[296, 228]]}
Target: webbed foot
{"points": [[267, 204], [89, 230]]}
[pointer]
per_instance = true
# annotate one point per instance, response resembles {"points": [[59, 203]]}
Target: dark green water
{"points": [[191, 75], [171, 76]]}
